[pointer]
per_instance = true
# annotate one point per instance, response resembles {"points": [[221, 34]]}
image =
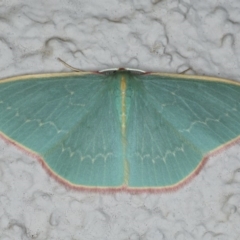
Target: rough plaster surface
{"points": [[199, 37]]}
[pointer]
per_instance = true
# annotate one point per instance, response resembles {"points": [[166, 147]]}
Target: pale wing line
{"points": [[46, 103], [104, 89], [92, 141], [142, 144], [198, 117], [49, 123], [204, 109], [76, 125], [68, 149], [10, 119], [143, 140], [112, 130], [211, 114], [23, 99], [96, 133], [204, 121], [202, 85], [33, 86], [83, 117], [166, 153], [107, 98], [172, 126], [29, 88], [80, 109], [65, 131], [225, 104], [62, 113], [78, 155], [183, 138], [153, 141], [137, 133], [220, 116], [163, 156], [162, 138], [19, 127]]}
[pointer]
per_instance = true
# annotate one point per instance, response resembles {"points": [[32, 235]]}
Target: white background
{"points": [[202, 37]]}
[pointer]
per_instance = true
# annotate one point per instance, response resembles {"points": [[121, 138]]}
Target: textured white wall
{"points": [[201, 37]]}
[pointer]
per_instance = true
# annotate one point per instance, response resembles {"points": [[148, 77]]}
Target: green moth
{"points": [[120, 130]]}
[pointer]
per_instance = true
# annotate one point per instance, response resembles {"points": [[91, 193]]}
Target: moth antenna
{"points": [[68, 66]]}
